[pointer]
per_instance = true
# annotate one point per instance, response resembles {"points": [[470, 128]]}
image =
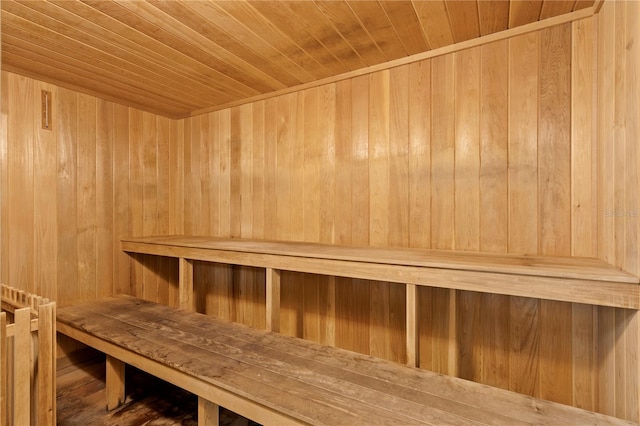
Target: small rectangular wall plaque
{"points": [[46, 110]]}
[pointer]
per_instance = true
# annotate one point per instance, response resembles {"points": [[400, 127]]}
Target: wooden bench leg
{"points": [[115, 383], [207, 413], [413, 337]]}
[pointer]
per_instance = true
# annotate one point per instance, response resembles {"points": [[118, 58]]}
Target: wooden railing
{"points": [[27, 359]]}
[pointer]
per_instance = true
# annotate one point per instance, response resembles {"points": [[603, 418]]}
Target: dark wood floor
{"points": [[81, 399]]}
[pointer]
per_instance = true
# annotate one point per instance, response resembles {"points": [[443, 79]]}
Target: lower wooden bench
{"points": [[276, 379]]}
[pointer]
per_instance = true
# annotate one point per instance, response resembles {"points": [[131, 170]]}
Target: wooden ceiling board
{"points": [[95, 75], [323, 30], [551, 8], [182, 57], [375, 21], [522, 12], [69, 79], [243, 12], [348, 24], [464, 18], [493, 16], [403, 17], [283, 18], [227, 24], [181, 71], [214, 40], [434, 18], [70, 49], [166, 30], [191, 74]]}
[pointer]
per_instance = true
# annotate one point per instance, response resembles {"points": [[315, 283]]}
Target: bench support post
{"points": [[413, 346], [185, 285], [114, 383], [273, 299], [208, 413]]}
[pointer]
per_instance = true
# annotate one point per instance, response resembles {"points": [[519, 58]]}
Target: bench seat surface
{"points": [[305, 381], [567, 279], [544, 266]]}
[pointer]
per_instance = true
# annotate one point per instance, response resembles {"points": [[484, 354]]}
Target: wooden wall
{"points": [[69, 193], [618, 132], [468, 151], [497, 148]]}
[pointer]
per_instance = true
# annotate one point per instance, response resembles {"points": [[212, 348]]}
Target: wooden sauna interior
{"points": [[492, 126]]}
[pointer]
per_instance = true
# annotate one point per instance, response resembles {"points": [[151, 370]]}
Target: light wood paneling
{"points": [[73, 191], [399, 157], [174, 58], [618, 115], [422, 147]]}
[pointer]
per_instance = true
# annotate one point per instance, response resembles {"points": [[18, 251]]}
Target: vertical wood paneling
{"points": [[494, 321], [419, 123], [554, 183], [618, 86], [122, 224], [467, 150], [104, 198], [150, 216], [67, 196], [494, 144], [584, 206], [399, 207], [554, 143], [442, 152], [495, 149], [523, 143], [379, 206], [45, 219], [20, 168], [583, 155], [164, 185]]}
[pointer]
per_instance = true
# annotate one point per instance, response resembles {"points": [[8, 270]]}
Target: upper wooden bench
{"points": [[569, 279]]}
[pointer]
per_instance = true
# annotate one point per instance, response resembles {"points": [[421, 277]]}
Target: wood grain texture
{"points": [[617, 172], [358, 385], [266, 147]]}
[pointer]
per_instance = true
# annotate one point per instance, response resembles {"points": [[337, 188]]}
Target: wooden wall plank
{"points": [[136, 199], [104, 198], [554, 132], [122, 223], [86, 213], [523, 143], [494, 144], [151, 180], [166, 269], [20, 168], [310, 196], [467, 150], [442, 152], [419, 169], [585, 356], [399, 209], [632, 132], [619, 134], [583, 140], [45, 191], [380, 159], [379, 193], [67, 195]]}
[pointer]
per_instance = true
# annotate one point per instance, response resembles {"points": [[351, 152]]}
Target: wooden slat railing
{"points": [[27, 359]]}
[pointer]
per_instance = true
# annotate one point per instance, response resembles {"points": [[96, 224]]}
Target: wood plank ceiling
{"points": [[177, 57]]}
